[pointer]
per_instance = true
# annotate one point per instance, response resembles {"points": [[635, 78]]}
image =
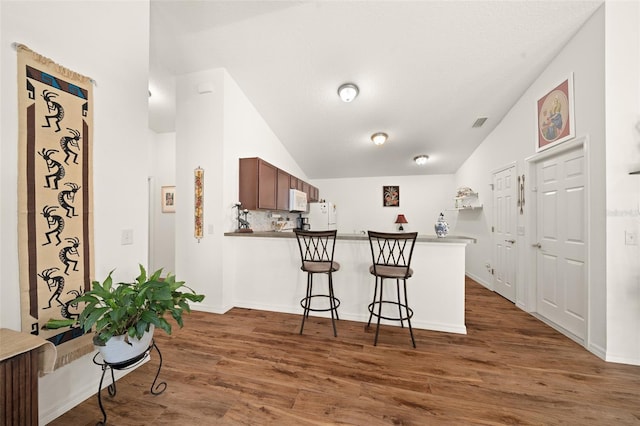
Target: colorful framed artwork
{"points": [[554, 116], [168, 199], [391, 196]]}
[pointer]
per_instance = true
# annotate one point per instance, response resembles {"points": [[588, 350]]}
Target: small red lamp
{"points": [[401, 219]]}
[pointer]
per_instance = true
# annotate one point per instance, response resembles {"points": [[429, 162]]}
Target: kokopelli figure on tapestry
{"points": [[65, 312], [55, 223], [56, 110], [67, 142], [55, 284], [67, 252], [67, 196], [56, 169]]}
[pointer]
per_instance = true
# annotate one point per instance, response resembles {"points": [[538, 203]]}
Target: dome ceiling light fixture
{"points": [[379, 138], [421, 160], [348, 92]]}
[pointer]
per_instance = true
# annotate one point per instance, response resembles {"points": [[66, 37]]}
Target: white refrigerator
{"points": [[322, 216]]}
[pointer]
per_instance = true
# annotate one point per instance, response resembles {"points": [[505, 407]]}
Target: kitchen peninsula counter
{"points": [[262, 271], [353, 237]]}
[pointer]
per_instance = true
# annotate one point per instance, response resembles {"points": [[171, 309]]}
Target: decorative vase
{"points": [[441, 227], [117, 350]]}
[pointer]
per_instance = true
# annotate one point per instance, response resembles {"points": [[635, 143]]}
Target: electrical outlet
{"points": [[630, 238], [127, 237]]}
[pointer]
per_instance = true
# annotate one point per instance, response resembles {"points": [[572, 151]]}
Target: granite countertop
{"points": [[353, 237]]}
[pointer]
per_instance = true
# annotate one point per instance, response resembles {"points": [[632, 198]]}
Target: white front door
{"points": [[561, 239], [504, 232]]}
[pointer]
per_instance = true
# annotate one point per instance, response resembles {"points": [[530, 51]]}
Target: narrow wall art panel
{"points": [[55, 216]]}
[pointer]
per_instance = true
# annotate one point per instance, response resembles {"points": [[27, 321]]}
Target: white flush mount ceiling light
{"points": [[421, 160], [379, 138], [348, 92]]}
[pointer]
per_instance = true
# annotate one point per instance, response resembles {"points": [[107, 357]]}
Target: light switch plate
{"points": [[127, 237], [630, 238]]}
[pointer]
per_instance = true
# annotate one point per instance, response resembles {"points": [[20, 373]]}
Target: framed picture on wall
{"points": [[554, 115], [391, 196], [168, 199]]}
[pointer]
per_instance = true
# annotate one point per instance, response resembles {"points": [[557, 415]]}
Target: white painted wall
{"points": [[513, 140], [613, 268], [162, 239], [359, 202], [118, 61], [213, 130], [246, 134], [199, 139], [622, 53]]}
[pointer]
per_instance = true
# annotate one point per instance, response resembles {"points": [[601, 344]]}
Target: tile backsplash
{"points": [[261, 221]]}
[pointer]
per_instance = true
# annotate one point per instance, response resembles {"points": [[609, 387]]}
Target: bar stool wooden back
{"points": [[391, 254], [316, 253]]}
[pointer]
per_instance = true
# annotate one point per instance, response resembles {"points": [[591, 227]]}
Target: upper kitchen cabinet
{"points": [[258, 184], [282, 193], [314, 194], [263, 186]]}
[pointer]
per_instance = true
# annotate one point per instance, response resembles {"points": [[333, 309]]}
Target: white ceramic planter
{"points": [[117, 350]]}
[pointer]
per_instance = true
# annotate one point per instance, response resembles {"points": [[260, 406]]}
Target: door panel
{"points": [[504, 233], [561, 233]]}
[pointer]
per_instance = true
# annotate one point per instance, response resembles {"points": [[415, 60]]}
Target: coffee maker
{"points": [[302, 223]]}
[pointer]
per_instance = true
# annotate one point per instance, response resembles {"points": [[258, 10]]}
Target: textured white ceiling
{"points": [[426, 71]]}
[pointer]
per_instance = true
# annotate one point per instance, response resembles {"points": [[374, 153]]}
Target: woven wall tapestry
{"points": [[55, 216]]}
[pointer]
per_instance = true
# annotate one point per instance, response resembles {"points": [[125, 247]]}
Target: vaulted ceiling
{"points": [[426, 71]]}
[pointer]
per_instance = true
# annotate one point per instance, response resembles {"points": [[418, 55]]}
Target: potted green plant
{"points": [[126, 314]]}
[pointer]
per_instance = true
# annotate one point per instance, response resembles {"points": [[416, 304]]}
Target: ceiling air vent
{"points": [[479, 122]]}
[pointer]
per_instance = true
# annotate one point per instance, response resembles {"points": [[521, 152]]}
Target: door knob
{"points": [[536, 245], [510, 241]]}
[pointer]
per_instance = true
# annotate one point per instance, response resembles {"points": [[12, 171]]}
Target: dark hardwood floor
{"points": [[252, 368]]}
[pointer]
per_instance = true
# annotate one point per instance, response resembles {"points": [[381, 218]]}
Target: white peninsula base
{"points": [[263, 271]]}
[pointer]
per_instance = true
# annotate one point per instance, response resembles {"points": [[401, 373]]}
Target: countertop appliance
{"points": [[297, 201], [302, 223], [323, 216]]}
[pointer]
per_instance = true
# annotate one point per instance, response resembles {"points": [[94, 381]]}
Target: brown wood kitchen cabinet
{"points": [[263, 186], [258, 184], [282, 194], [314, 194]]}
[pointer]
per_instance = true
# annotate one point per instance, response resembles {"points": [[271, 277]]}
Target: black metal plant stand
{"points": [[156, 389]]}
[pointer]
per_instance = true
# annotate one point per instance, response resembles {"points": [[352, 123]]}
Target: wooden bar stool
{"points": [[316, 252], [391, 254]]}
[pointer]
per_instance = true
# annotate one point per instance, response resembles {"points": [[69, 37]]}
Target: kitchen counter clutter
{"points": [[263, 269], [355, 237]]}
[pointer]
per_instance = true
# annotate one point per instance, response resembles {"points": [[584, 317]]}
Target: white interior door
{"points": [[504, 232], [561, 240]]}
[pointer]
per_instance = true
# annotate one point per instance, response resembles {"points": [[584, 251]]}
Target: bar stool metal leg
{"points": [[372, 305], [332, 306], [375, 342], [409, 315], [307, 300], [399, 302]]}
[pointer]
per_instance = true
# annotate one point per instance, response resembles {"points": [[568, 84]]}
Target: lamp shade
{"points": [[401, 219]]}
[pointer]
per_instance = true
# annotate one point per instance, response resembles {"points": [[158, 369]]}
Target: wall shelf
{"points": [[466, 202], [457, 209]]}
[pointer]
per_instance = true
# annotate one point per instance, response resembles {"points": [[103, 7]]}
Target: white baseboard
{"points": [[480, 280], [210, 308], [621, 359]]}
